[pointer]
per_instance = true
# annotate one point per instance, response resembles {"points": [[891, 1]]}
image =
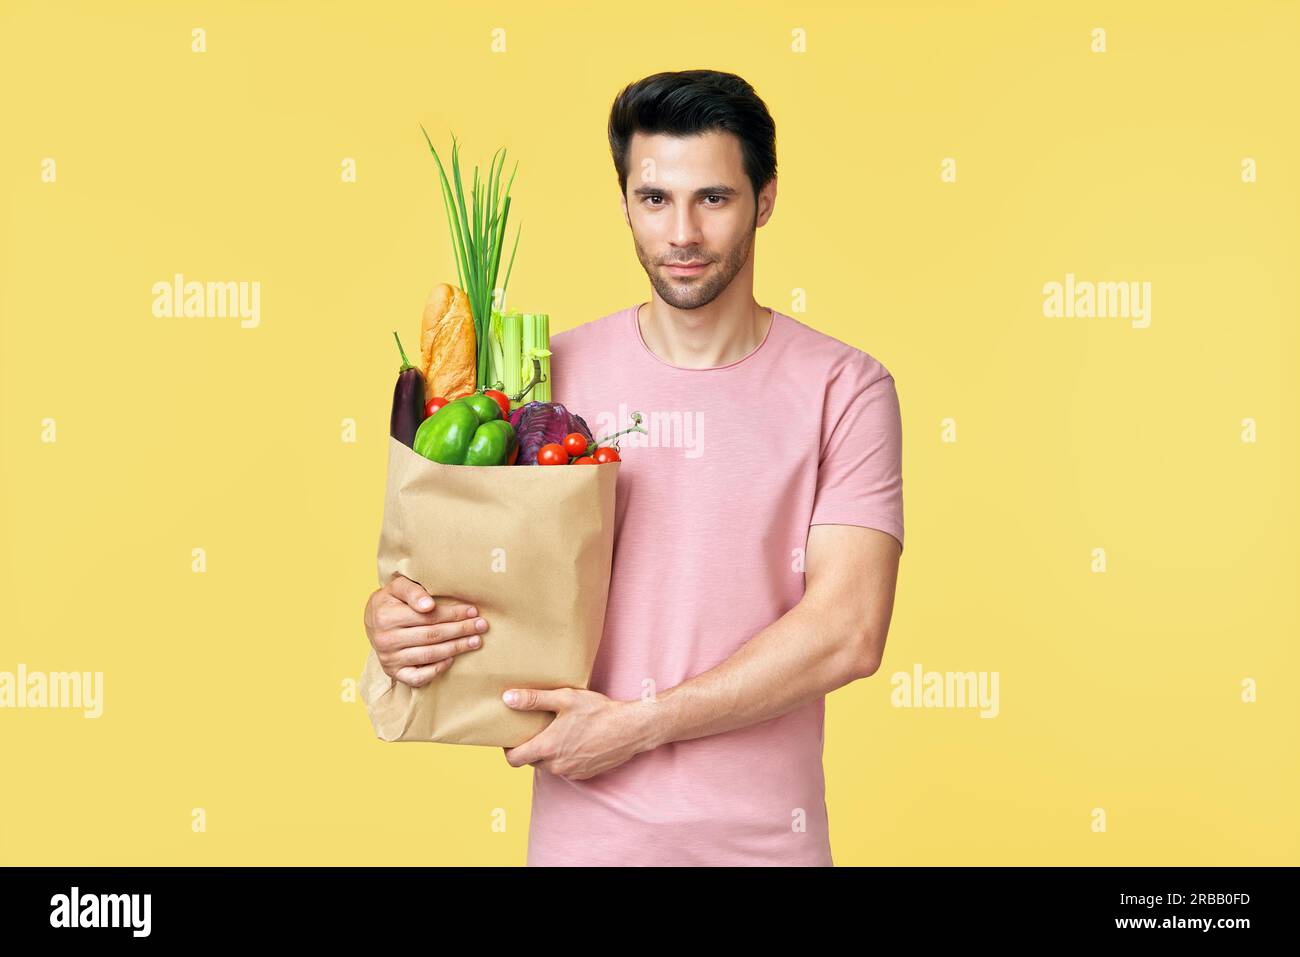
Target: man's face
{"points": [[688, 201]]}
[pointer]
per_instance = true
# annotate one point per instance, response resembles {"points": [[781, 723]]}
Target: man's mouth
{"points": [[687, 268]]}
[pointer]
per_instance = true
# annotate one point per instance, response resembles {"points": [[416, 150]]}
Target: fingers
{"points": [[528, 754], [395, 639], [410, 592], [536, 699], [416, 636], [397, 614], [419, 677], [415, 656], [420, 655]]}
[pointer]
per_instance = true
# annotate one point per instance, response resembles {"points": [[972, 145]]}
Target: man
{"points": [[758, 527]]}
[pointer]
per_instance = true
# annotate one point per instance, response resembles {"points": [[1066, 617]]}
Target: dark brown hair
{"points": [[690, 102]]}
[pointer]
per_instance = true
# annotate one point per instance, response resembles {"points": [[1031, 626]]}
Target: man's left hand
{"points": [[590, 734]]}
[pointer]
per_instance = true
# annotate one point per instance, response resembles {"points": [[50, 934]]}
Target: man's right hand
{"points": [[415, 640]]}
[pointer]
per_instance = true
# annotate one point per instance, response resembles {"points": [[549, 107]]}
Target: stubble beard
{"points": [[690, 292]]}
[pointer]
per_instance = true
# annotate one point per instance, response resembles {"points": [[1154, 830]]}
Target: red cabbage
{"points": [[540, 423]]}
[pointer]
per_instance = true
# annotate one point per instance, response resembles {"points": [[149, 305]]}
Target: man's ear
{"points": [[766, 202]]}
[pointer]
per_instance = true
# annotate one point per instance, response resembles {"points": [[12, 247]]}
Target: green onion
{"points": [[476, 241]]}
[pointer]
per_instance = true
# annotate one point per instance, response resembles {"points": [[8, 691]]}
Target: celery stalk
{"points": [[526, 344], [543, 336], [536, 345], [511, 350], [496, 355]]}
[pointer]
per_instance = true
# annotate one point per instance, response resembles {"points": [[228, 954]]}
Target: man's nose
{"points": [[686, 229]]}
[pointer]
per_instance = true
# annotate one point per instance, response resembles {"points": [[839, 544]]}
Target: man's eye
{"points": [[650, 199], [718, 198]]}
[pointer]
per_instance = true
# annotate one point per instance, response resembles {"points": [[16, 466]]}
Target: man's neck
{"points": [[714, 335]]}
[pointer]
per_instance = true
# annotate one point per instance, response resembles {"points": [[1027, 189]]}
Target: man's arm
{"points": [[834, 635]]}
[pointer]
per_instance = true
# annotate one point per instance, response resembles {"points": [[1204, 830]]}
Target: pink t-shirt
{"points": [[713, 510]]}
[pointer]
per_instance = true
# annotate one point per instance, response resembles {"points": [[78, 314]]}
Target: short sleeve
{"points": [[860, 473]]}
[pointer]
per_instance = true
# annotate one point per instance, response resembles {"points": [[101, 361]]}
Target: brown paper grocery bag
{"points": [[530, 547]]}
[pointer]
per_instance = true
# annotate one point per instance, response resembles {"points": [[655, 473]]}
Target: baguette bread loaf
{"points": [[448, 346]]}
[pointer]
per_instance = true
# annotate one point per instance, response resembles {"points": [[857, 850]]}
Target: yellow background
{"points": [[223, 690]]}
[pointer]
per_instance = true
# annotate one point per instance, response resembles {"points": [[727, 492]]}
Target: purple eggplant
{"points": [[408, 400]]}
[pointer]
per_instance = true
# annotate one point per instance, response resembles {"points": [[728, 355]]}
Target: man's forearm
{"points": [[807, 652]]}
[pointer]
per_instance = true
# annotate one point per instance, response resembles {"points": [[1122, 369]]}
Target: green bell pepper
{"points": [[466, 431]]}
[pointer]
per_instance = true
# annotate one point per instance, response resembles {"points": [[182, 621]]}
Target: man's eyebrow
{"points": [[706, 191]]}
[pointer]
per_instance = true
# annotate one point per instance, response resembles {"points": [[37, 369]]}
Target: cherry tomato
{"points": [[585, 460], [606, 454], [433, 405], [552, 454], [575, 443], [502, 400]]}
